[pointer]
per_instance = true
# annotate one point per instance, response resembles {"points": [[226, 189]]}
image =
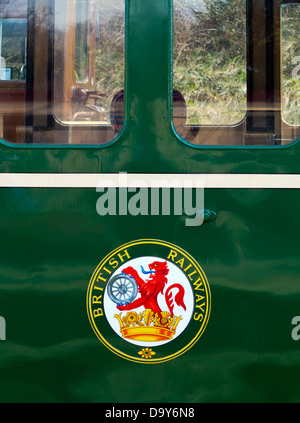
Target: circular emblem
{"points": [[148, 301]]}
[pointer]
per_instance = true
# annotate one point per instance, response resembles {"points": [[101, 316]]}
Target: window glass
{"points": [[236, 64], [81, 41], [13, 68], [61, 71], [210, 59], [290, 58], [13, 39], [89, 65]]}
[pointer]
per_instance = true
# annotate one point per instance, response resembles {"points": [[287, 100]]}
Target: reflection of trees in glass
{"points": [[81, 36], [290, 18], [210, 59], [13, 44], [110, 48]]}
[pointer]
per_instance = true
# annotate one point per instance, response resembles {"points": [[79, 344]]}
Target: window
{"points": [[226, 64], [81, 71], [89, 66], [290, 63], [61, 71], [210, 60], [13, 39], [13, 68]]}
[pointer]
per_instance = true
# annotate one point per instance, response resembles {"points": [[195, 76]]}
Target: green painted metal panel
{"points": [[53, 240]]}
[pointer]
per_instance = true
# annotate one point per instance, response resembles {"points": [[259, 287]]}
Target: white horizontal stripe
{"points": [[130, 180]]}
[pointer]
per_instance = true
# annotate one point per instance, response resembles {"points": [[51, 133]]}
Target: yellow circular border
{"points": [[182, 350]]}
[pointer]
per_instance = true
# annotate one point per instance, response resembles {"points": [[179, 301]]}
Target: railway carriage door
{"points": [[236, 64]]}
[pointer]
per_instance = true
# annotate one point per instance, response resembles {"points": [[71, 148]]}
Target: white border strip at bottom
{"points": [[161, 180]]}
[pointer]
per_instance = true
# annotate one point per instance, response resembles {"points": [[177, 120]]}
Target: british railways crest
{"points": [[148, 301]]}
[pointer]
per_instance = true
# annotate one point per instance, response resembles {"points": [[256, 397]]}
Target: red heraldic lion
{"points": [[152, 287]]}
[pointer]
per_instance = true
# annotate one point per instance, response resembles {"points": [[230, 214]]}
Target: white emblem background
{"points": [[175, 275]]}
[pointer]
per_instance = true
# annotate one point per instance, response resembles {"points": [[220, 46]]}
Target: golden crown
{"points": [[148, 326]]}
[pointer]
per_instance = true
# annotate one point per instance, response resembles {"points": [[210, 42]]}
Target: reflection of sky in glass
{"points": [[197, 5], [105, 8], [60, 12], [14, 9]]}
